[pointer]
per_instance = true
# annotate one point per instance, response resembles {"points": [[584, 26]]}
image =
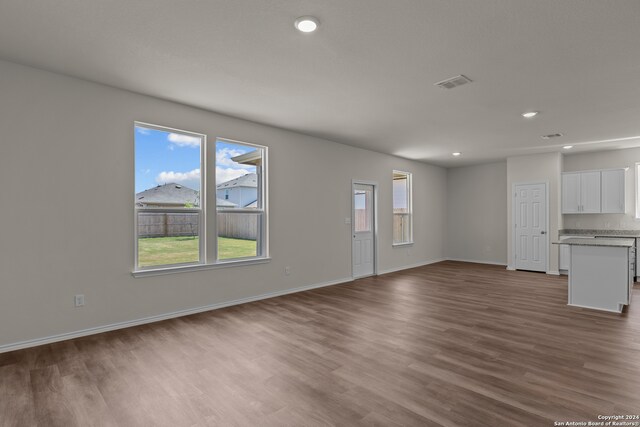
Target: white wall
{"points": [[66, 167], [477, 213], [536, 168], [606, 160]]}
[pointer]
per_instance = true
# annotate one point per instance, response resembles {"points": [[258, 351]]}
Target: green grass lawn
{"points": [[154, 251]]}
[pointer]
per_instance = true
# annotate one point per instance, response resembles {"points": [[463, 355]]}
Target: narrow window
{"points": [[240, 187], [168, 197], [402, 210], [637, 190]]}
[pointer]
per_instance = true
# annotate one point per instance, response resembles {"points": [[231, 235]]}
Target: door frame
{"points": [[513, 221], [374, 184]]}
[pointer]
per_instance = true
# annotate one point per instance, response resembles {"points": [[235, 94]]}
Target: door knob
{"points": [[543, 232]]}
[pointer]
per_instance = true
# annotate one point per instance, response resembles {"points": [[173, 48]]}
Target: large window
{"points": [[240, 200], [169, 208], [177, 224], [402, 211]]}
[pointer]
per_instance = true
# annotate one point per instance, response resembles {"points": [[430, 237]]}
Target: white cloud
{"points": [[183, 140], [190, 179], [142, 131], [227, 174], [224, 155]]}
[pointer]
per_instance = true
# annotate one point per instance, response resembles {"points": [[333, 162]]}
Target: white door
{"points": [[363, 230], [531, 227], [590, 192]]}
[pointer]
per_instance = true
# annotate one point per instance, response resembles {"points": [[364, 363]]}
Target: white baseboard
{"points": [[475, 261], [553, 273], [596, 308], [121, 325], [406, 267], [511, 268]]}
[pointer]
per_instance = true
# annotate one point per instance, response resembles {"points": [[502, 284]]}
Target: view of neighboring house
{"points": [[174, 195], [170, 195], [242, 191]]}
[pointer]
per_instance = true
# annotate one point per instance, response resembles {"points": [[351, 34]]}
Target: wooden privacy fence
{"points": [[361, 220], [401, 227], [159, 224], [238, 226]]}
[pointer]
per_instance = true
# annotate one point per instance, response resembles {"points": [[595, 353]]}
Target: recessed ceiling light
{"points": [[457, 153], [568, 147], [529, 114], [307, 24]]}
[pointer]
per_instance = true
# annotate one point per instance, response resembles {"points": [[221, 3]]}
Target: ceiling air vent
{"points": [[454, 82], [551, 135]]}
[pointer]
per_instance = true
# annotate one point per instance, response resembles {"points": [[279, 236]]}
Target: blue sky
{"points": [[163, 157]]}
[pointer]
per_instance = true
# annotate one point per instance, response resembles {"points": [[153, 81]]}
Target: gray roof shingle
{"points": [[168, 194], [248, 180]]}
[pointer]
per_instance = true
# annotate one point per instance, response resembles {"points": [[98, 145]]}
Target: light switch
{"points": [[347, 220]]}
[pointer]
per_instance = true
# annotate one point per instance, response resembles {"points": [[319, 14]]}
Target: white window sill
{"points": [[402, 244], [187, 268]]}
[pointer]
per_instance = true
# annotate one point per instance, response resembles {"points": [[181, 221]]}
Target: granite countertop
{"points": [[615, 242], [600, 233]]}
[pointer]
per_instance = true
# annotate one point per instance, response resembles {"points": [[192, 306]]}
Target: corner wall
{"points": [[67, 173], [477, 213]]}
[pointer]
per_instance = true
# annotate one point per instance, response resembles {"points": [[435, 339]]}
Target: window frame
{"points": [[637, 190], [201, 211], [409, 213], [207, 221], [262, 246]]}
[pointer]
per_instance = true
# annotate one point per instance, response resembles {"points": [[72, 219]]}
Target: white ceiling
{"points": [[366, 77]]}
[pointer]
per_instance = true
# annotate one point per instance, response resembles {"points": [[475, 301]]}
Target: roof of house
{"points": [[248, 180], [251, 158], [168, 194], [221, 203]]}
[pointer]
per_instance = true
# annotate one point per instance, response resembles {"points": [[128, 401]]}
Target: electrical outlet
{"points": [[287, 270], [79, 300], [409, 252]]}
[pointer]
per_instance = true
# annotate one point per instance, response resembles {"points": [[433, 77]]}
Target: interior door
{"points": [[531, 238], [363, 230]]}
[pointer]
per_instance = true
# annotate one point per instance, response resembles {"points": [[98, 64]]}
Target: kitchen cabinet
{"points": [[601, 273], [581, 192], [613, 191], [590, 192], [564, 257], [564, 260], [571, 192]]}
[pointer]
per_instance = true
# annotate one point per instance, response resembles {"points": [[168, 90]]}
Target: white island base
{"points": [[601, 277]]}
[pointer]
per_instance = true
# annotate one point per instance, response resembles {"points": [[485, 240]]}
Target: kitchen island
{"points": [[601, 272]]}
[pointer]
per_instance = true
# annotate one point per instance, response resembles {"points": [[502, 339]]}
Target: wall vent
{"points": [[551, 135], [453, 82]]}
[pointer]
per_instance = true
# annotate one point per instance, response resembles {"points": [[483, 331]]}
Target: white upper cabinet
{"points": [[571, 192], [613, 191], [600, 191], [590, 192]]}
